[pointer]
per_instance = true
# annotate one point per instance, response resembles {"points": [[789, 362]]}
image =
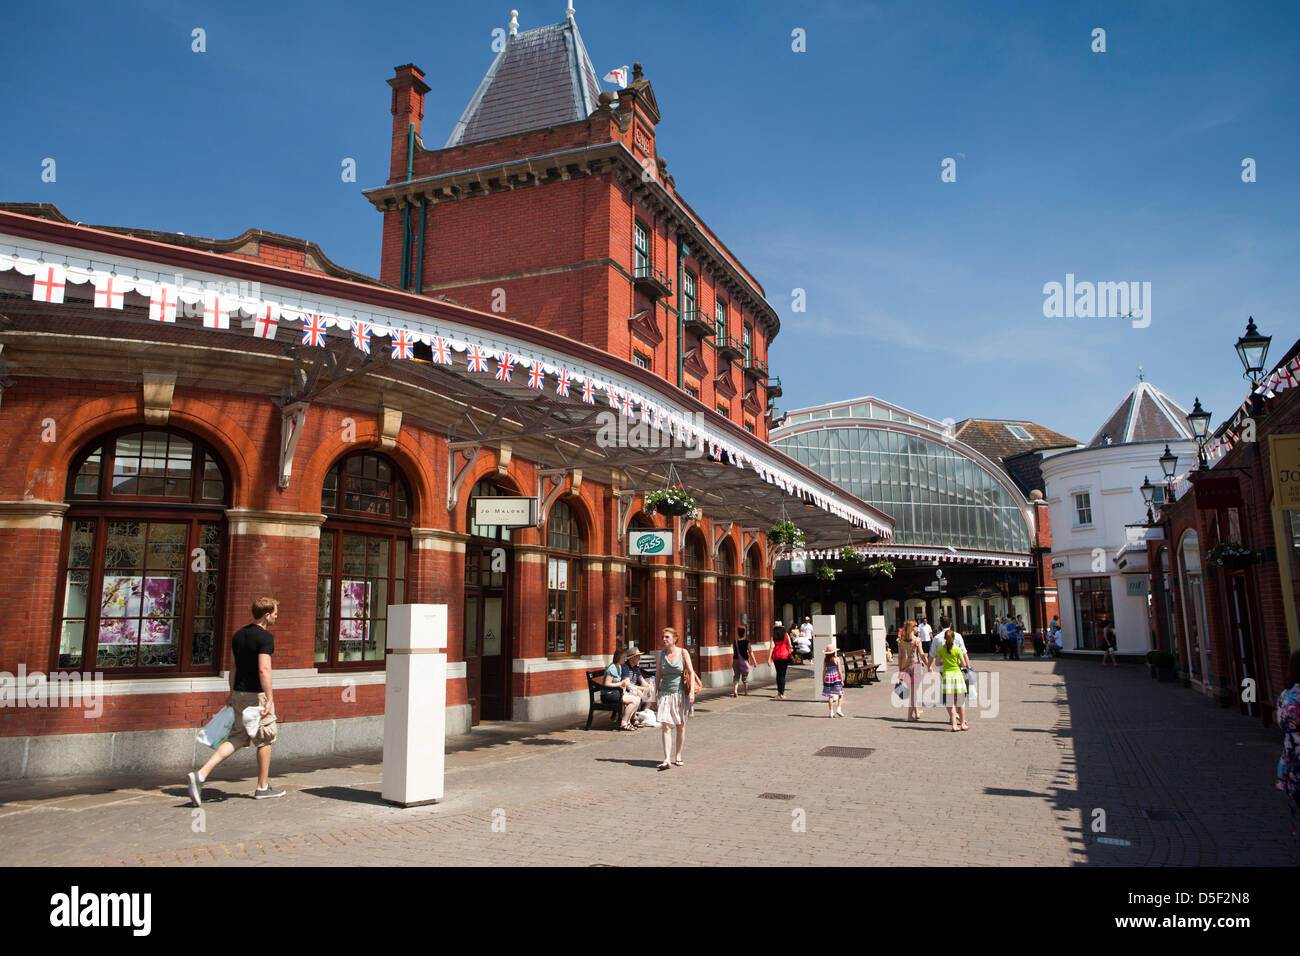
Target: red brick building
{"points": [[1232, 626], [552, 200], [192, 423]]}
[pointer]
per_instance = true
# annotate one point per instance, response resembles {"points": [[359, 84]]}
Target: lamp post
{"points": [[1199, 419], [1169, 465], [1252, 349], [1148, 495]]}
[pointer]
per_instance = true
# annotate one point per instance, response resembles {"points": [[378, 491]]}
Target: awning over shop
{"points": [[491, 381]]}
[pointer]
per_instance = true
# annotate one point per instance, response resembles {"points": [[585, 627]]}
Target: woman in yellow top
{"points": [[910, 666], [952, 659]]}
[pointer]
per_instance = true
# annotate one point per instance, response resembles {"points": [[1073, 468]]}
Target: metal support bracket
{"points": [[544, 505], [292, 419], [456, 477]]}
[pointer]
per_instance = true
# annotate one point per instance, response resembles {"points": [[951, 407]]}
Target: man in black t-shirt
{"points": [[250, 687]]}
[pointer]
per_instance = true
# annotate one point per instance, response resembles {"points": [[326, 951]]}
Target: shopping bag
{"points": [[969, 674], [218, 728], [901, 691], [251, 718]]}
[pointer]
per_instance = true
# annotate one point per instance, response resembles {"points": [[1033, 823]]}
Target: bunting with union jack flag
{"points": [[476, 359], [361, 336], [536, 377], [403, 344], [588, 391], [313, 329], [562, 383], [441, 351], [505, 366]]}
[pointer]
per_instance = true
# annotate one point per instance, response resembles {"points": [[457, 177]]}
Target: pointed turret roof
{"points": [[540, 78], [1144, 414]]}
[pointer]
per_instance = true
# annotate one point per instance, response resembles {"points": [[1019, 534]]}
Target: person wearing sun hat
{"points": [[833, 680]]}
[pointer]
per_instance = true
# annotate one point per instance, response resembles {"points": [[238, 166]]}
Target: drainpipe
{"points": [[681, 315], [419, 261], [410, 153], [406, 244]]}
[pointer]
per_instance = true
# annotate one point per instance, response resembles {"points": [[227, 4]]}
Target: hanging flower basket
{"points": [[1230, 554], [674, 502], [853, 556], [785, 535], [825, 572], [883, 568]]}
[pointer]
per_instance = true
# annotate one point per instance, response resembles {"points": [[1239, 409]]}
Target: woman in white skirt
{"points": [[675, 691]]}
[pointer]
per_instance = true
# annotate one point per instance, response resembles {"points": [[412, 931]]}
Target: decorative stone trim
{"points": [[32, 515], [715, 651], [436, 539], [159, 387], [279, 524], [390, 423]]}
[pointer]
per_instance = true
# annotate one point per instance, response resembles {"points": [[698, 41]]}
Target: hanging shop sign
{"points": [[649, 543], [505, 512], [1284, 450]]}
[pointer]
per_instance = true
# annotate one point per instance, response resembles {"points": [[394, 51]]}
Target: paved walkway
{"points": [[1179, 781]]}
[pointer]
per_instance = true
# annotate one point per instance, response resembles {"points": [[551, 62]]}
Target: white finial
{"points": [[1140, 373], [514, 22], [569, 12]]}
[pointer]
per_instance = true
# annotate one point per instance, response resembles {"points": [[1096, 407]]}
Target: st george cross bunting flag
{"points": [[266, 321], [361, 336], [216, 311], [162, 303], [403, 344], [109, 291], [313, 329], [48, 284]]}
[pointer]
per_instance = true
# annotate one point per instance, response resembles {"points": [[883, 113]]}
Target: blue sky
{"points": [[820, 169]]}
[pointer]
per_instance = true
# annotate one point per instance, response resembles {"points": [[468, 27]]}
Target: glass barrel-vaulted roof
{"points": [[937, 490]]}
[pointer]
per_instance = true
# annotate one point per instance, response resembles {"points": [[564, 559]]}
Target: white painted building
{"points": [[1095, 499]]}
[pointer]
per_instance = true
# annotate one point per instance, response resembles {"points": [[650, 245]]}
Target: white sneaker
{"points": [[838, 712]]}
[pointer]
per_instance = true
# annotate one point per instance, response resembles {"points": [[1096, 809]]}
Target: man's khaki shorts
{"points": [[239, 699]]}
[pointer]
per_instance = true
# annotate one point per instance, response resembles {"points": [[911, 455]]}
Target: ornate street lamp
{"points": [[1148, 495], [1252, 349], [1199, 419], [1169, 464]]}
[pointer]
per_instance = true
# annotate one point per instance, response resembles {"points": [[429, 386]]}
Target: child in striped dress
{"points": [[833, 681]]}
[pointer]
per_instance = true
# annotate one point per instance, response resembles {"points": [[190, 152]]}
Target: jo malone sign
{"points": [[505, 512]]}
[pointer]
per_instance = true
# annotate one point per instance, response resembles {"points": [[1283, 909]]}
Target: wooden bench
{"points": [[859, 669], [596, 684]]}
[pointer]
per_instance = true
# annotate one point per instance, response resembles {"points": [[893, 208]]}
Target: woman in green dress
{"points": [[952, 658]]}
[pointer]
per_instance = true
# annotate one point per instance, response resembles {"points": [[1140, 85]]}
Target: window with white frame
{"points": [[1082, 508]]}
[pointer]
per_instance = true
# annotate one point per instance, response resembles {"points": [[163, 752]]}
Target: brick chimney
{"points": [[408, 109]]}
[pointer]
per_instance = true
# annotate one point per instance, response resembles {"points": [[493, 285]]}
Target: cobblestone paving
{"points": [[1022, 787]]}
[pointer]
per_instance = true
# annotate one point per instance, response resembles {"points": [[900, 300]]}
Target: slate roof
{"points": [[540, 78], [1144, 414], [993, 440]]}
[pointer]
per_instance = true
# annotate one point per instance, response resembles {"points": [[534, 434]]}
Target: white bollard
{"points": [[415, 704]]}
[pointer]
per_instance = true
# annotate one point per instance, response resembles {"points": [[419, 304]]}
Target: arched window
{"points": [[486, 489], [636, 593], [141, 564], [724, 588], [693, 559], [362, 561], [753, 572], [563, 582]]}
